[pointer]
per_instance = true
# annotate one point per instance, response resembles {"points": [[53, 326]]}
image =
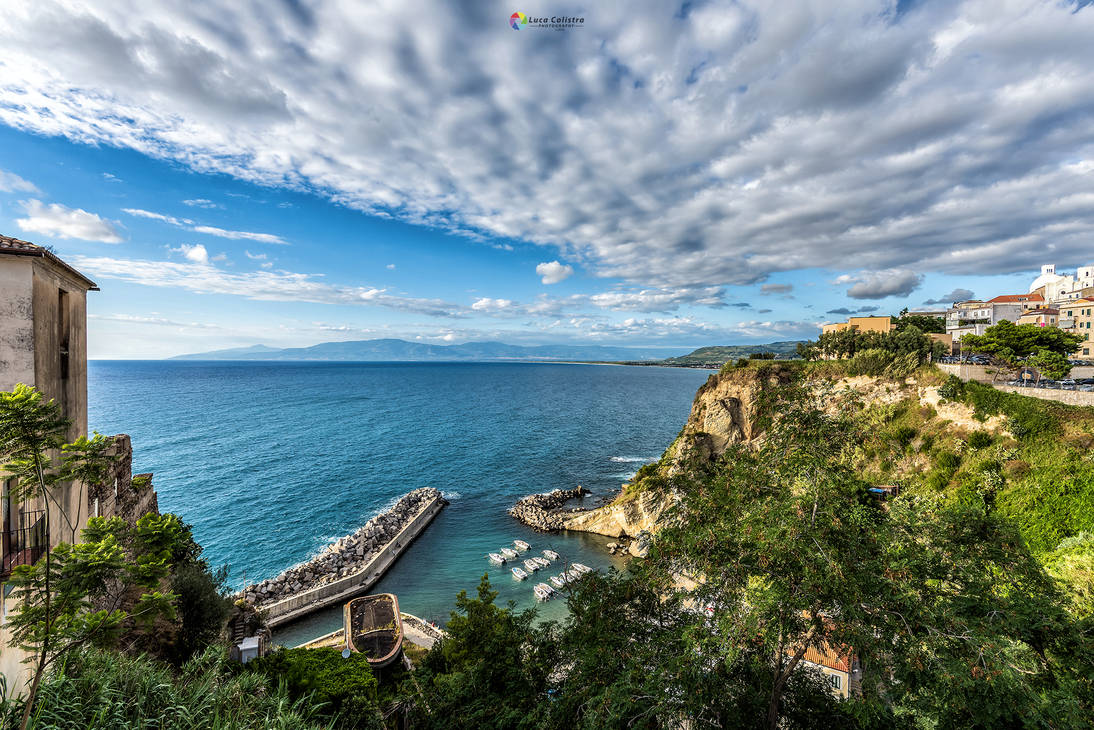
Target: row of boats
{"points": [[543, 591]]}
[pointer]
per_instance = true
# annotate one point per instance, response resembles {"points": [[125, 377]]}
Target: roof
{"points": [[1010, 298], [825, 656], [1043, 310], [16, 247]]}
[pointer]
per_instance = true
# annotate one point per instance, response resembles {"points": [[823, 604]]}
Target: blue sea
{"points": [[271, 461]]}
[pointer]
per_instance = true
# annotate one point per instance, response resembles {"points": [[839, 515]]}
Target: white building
{"points": [[975, 316], [1063, 287]]}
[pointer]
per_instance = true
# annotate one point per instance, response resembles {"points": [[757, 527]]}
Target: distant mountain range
{"points": [[391, 350], [403, 351]]}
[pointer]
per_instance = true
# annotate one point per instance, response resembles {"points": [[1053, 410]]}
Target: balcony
{"points": [[25, 544]]}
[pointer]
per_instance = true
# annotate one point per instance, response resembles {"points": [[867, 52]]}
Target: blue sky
{"points": [[290, 173]]}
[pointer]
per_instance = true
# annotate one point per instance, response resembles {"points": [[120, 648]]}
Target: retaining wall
{"points": [[1071, 397], [341, 590]]}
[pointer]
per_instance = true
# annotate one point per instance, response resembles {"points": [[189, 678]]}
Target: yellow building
{"points": [[1045, 317], [1078, 317], [862, 324]]}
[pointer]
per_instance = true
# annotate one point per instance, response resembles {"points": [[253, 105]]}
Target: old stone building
{"points": [[43, 343]]}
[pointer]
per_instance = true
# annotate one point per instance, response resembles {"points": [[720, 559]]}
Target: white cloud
{"points": [[709, 146], [58, 221], [776, 288], [255, 256], [12, 183], [486, 304], [957, 295], [241, 235], [881, 284], [553, 272], [201, 203], [391, 267], [201, 277], [195, 253], [208, 230], [659, 300], [152, 215]]}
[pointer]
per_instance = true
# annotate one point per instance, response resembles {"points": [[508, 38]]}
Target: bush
{"points": [[903, 435], [345, 687], [100, 690], [870, 362], [947, 460], [979, 439], [952, 388]]}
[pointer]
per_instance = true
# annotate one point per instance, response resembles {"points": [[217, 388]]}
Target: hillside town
{"points": [[1058, 300]]}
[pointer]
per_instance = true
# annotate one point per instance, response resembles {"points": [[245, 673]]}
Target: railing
{"points": [[25, 544]]}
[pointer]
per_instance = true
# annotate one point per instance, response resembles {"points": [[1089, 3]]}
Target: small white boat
{"points": [[519, 574], [521, 545], [531, 566], [550, 554], [558, 581], [541, 562], [495, 558], [572, 574], [582, 568], [509, 552], [543, 591]]}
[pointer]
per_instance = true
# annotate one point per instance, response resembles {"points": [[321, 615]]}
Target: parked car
{"points": [[1068, 384]]}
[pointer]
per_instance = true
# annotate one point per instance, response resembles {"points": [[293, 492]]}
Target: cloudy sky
{"points": [[706, 173]]}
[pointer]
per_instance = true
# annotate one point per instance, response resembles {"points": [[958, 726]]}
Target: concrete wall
{"points": [[16, 322], [343, 589], [1071, 397]]}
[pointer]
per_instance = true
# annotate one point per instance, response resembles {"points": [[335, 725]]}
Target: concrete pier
{"points": [[339, 591]]}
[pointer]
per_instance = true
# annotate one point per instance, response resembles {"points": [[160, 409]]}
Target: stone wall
{"points": [[542, 511], [1071, 397], [345, 563]]}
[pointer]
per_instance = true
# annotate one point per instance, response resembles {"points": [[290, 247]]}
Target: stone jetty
{"points": [[543, 511], [347, 556]]}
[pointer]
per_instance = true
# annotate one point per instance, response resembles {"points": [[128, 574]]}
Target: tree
{"points": [[1050, 364], [31, 430], [1008, 342], [490, 671], [922, 322], [954, 619]]}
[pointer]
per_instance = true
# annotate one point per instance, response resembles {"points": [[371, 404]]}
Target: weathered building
{"points": [[43, 343]]}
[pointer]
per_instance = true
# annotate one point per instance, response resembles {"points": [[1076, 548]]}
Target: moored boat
{"points": [[543, 591], [495, 558], [519, 574], [541, 562], [582, 568], [558, 581], [521, 545], [550, 554], [531, 566], [373, 626], [509, 552]]}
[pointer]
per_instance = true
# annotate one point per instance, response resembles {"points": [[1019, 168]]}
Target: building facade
{"points": [[975, 316], [43, 343], [1078, 317], [862, 324], [1043, 317]]}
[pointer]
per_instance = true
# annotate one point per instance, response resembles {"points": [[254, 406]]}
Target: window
{"points": [[62, 331], [836, 681]]}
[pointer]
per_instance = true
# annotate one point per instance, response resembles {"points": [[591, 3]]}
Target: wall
{"points": [[1072, 397], [16, 322], [338, 591]]}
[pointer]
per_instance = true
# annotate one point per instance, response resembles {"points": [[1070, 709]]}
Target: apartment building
{"points": [[975, 316], [861, 324], [1078, 317], [1042, 317]]}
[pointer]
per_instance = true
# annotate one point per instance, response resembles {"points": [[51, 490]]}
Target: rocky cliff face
{"points": [[723, 413]]}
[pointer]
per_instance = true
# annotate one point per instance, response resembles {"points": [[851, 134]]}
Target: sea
{"points": [[271, 461]]}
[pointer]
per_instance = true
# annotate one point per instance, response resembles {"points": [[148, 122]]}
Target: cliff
{"points": [[726, 411]]}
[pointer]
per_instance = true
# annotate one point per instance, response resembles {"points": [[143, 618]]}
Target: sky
{"points": [[290, 172]]}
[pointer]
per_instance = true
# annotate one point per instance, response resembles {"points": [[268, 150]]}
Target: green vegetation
{"points": [[105, 690], [717, 356], [908, 341], [344, 691], [1046, 348], [920, 321]]}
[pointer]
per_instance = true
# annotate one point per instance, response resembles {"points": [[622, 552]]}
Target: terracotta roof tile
{"points": [[17, 247], [1010, 298]]}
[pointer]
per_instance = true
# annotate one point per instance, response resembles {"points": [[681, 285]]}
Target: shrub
{"points": [[742, 362], [947, 460], [952, 388], [903, 435], [345, 687], [979, 439], [870, 362]]}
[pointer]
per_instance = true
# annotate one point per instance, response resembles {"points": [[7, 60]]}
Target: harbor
{"points": [[349, 566]]}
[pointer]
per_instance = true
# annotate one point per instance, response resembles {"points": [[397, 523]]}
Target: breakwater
{"points": [[543, 511], [348, 566]]}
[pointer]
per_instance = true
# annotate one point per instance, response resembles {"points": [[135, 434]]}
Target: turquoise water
{"points": [[271, 461]]}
